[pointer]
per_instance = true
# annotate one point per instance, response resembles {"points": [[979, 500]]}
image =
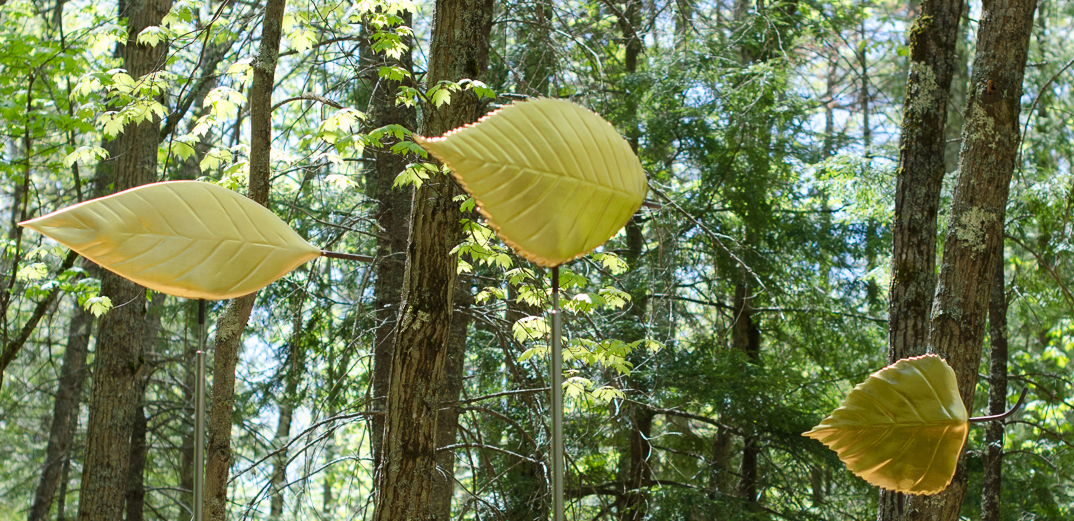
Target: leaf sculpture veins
{"points": [[554, 179], [902, 429], [184, 238]]}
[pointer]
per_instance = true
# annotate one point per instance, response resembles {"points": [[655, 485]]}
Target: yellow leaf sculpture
{"points": [[903, 428], [553, 179], [184, 238]]}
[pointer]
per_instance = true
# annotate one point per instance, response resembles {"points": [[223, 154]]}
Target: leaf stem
{"points": [[346, 256], [1009, 413]]}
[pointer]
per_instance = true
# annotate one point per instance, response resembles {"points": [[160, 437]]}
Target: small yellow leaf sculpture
{"points": [[903, 428], [184, 238], [554, 179]]}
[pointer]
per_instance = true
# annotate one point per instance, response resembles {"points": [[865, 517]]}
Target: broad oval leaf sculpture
{"points": [[903, 428], [184, 238], [554, 179]]}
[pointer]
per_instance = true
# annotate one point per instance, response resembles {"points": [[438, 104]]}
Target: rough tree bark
{"points": [[118, 363], [232, 323], [990, 138], [920, 175], [997, 394], [459, 49], [136, 469], [393, 223], [447, 423], [919, 178]]}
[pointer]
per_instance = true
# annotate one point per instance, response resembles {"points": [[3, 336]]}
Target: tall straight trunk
{"points": [[118, 363], [637, 451], [136, 470], [447, 423], [459, 49], [919, 178], [139, 444], [232, 323], [292, 374], [746, 337], [990, 140], [64, 412], [393, 223], [997, 394], [920, 175]]}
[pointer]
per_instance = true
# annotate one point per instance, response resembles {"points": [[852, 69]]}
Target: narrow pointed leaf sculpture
{"points": [[903, 428], [184, 238], [554, 179]]}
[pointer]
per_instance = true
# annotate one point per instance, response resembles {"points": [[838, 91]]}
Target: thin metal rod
{"points": [[557, 404], [346, 256], [199, 419], [1004, 416]]}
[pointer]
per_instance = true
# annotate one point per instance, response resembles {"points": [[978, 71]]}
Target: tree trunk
{"points": [[393, 223], [746, 337], [919, 176], [232, 323], [447, 423], [292, 375], [459, 49], [136, 471], [64, 412], [990, 141], [118, 363], [997, 394], [919, 179]]}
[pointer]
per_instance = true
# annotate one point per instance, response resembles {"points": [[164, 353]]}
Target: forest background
{"points": [[702, 340]]}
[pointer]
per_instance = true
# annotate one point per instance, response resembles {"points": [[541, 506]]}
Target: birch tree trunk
{"points": [[459, 49]]}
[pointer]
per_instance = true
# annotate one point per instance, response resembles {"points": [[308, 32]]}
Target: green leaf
{"points": [[98, 305], [85, 154]]}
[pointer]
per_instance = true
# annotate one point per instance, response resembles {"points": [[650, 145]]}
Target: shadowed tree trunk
{"points": [[135, 483], [292, 375], [997, 395], [64, 412], [119, 368], [393, 223], [232, 323], [459, 49], [450, 391], [990, 139]]}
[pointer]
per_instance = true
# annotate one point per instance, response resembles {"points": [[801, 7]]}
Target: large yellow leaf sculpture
{"points": [[903, 428], [554, 179], [184, 238]]}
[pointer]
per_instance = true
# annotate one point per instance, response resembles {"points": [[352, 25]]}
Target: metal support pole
{"points": [[199, 419], [557, 404]]}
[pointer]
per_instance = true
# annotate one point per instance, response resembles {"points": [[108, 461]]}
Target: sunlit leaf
{"points": [[903, 428], [183, 238], [554, 179]]}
